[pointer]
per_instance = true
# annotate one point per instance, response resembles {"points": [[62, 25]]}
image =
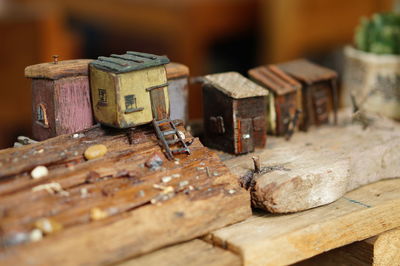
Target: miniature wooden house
{"points": [[60, 98], [284, 99], [234, 113], [130, 89], [319, 91], [178, 78]]}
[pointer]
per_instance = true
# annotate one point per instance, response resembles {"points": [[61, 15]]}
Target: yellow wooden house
{"points": [[130, 89]]}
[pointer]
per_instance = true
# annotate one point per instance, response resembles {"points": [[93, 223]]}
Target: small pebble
{"points": [[35, 235], [183, 183], [84, 192], [97, 214], [40, 151], [48, 226], [39, 172], [176, 162], [176, 175], [202, 163], [215, 174], [166, 179], [231, 191], [141, 193], [200, 168], [95, 151]]}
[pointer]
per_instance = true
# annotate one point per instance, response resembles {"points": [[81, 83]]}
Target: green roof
{"points": [[128, 62]]}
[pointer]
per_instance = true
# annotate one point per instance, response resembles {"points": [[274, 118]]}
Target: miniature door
{"points": [[320, 96], [245, 135], [158, 105], [283, 107]]}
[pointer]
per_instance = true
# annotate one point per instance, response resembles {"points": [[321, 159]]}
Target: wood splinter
{"points": [[257, 164]]}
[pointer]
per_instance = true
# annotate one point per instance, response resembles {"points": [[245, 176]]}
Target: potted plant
{"points": [[372, 67]]}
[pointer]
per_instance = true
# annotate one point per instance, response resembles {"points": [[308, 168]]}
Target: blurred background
{"points": [[207, 35]]}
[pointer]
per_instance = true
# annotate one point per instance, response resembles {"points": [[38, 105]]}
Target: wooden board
{"points": [[318, 167], [62, 69], [383, 249], [139, 219], [271, 239], [195, 253]]}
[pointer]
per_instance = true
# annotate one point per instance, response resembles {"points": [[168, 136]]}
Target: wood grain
{"points": [[139, 219], [65, 68], [195, 253], [380, 250], [319, 167], [271, 239]]}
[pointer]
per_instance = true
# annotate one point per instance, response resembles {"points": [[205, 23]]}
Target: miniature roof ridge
{"points": [[144, 55], [127, 57], [131, 61], [235, 85], [306, 71], [274, 79], [64, 68]]}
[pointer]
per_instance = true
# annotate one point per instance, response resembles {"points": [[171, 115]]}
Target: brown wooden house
{"points": [[60, 98], [234, 113], [319, 91], [284, 99]]}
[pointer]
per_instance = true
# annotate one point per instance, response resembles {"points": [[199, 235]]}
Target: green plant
{"points": [[380, 34]]}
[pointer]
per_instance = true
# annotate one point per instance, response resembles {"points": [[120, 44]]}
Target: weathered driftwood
{"points": [[143, 212], [317, 168], [380, 250], [270, 239]]}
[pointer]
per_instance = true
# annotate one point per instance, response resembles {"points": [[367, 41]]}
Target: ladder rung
{"points": [[169, 132], [181, 150], [173, 141]]}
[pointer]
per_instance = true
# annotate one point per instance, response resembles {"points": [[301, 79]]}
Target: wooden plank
{"points": [[270, 239], [176, 70], [140, 215], [65, 68], [383, 249], [318, 167], [195, 253]]}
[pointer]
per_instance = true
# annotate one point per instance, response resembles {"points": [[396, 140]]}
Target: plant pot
{"points": [[374, 80]]}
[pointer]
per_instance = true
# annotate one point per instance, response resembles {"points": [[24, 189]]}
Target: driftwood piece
{"points": [[317, 168], [271, 239], [380, 250], [142, 209], [194, 253]]}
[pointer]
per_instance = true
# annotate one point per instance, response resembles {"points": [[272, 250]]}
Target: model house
{"points": [[60, 98], [130, 89], [234, 113]]}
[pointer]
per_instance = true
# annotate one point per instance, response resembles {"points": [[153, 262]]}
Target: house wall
{"points": [[253, 109], [104, 114], [285, 106], [178, 95], [309, 112], [136, 82], [74, 109], [218, 104], [43, 93]]}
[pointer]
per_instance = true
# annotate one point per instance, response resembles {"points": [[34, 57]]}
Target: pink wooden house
{"points": [[60, 98]]}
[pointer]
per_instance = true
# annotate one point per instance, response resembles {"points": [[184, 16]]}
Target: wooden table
{"points": [[266, 239]]}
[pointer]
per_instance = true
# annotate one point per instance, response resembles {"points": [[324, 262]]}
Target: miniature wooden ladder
{"points": [[167, 143]]}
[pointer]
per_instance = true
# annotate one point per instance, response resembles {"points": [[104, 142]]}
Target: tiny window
{"points": [[130, 102], [41, 115], [102, 96]]}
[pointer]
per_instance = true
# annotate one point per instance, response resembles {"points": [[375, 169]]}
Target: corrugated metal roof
{"points": [[128, 62], [306, 71], [235, 85], [274, 79]]}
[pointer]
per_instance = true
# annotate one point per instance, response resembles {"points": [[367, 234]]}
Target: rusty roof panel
{"points": [[307, 71], [274, 79]]}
